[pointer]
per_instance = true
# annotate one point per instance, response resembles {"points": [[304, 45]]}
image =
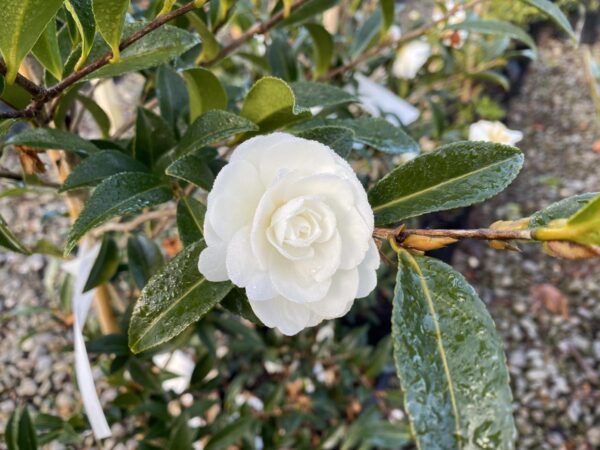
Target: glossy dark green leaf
{"points": [[449, 360], [124, 193], [552, 10], [271, 103], [495, 27], [387, 13], [11, 432], [339, 139], [177, 296], [153, 137], [306, 12], [83, 17], [99, 166], [310, 94], [367, 33], [193, 169], [110, 19], [144, 257], [27, 438], [9, 241], [562, 209], [23, 21], [181, 436], [52, 138], [323, 47], [281, 57], [113, 344], [213, 126], [190, 220], [229, 435], [97, 113], [156, 48], [106, 264], [237, 302], [453, 176], [381, 135], [46, 51], [205, 91], [171, 93]]}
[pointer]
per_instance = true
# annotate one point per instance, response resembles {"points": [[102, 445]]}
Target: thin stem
{"points": [[25, 83], [128, 41], [258, 28], [18, 177], [480, 233], [395, 43]]}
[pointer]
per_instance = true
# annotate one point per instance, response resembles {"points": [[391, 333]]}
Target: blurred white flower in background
{"points": [[452, 38], [179, 364], [410, 58], [497, 132], [379, 101]]}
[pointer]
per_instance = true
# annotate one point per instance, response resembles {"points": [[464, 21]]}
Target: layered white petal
{"points": [[289, 221], [288, 317]]}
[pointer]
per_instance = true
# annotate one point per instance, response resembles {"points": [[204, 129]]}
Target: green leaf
{"points": [[562, 209], [181, 436], [190, 220], [154, 49], [53, 139], [98, 167], [110, 18], [144, 257], [177, 296], [323, 47], [552, 10], [585, 224], [210, 45], [106, 264], [153, 137], [113, 344], [124, 193], [271, 103], [306, 12], [8, 239], [193, 169], [339, 139], [97, 113], [205, 92], [211, 127], [453, 176], [83, 17], [449, 360], [495, 27], [237, 303], [281, 57], [229, 435], [171, 93], [367, 33], [387, 13], [492, 77], [5, 127], [381, 135], [46, 51], [310, 94], [27, 439], [23, 21]]}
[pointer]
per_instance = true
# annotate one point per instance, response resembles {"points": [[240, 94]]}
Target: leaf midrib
{"points": [[171, 306], [440, 344], [400, 200]]}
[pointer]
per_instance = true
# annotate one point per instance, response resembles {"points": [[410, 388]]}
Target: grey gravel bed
{"points": [[554, 359]]}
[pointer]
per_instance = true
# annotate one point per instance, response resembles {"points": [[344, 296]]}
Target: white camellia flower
{"points": [[497, 132], [288, 220], [410, 58]]}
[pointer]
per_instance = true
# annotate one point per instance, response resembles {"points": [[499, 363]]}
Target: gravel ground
{"points": [[546, 309]]}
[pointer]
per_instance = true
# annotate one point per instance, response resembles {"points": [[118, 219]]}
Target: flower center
{"points": [[298, 225]]}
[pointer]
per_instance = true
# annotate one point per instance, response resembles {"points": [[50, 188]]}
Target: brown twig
{"points": [[480, 234], [18, 177], [133, 224], [395, 43], [258, 28], [25, 83]]}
